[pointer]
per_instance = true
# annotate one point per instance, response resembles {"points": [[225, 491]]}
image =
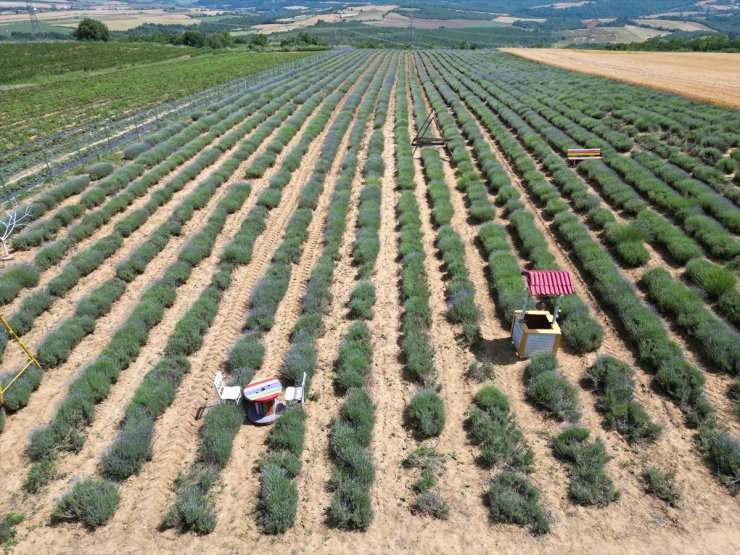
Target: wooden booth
{"points": [[534, 331]]}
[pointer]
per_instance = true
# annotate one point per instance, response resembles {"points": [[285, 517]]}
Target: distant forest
{"points": [[677, 43]]}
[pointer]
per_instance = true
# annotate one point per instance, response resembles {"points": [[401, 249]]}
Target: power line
{"points": [[411, 37], [35, 25]]}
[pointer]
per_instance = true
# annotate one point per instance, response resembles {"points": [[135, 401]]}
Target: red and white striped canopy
{"points": [[540, 282]]}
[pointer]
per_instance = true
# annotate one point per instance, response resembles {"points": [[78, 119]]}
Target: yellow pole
{"points": [[25, 349], [31, 359]]}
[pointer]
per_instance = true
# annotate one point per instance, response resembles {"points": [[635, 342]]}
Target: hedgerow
{"points": [[729, 306], [506, 278], [193, 510], [480, 371]]}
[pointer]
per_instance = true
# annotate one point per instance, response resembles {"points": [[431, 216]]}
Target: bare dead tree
{"points": [[16, 216]]}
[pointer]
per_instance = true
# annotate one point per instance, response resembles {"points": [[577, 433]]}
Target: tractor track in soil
{"points": [[277, 340], [110, 412], [53, 388], [312, 487]]}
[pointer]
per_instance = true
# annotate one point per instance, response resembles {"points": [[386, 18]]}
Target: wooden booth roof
{"points": [[541, 282]]}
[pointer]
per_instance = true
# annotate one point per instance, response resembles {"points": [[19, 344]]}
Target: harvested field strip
{"points": [[667, 71]]}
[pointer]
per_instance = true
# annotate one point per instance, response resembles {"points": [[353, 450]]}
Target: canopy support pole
{"points": [[524, 306], [557, 309]]}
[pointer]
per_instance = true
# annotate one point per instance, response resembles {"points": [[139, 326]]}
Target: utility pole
{"points": [[411, 30], [35, 25]]}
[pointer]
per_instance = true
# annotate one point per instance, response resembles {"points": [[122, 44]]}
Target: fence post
{"points": [[48, 167]]}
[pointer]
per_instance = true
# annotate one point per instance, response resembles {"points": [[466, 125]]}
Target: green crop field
{"points": [[44, 61], [53, 103]]}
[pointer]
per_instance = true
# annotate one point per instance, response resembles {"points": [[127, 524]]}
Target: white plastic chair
{"points": [[295, 394], [227, 393]]}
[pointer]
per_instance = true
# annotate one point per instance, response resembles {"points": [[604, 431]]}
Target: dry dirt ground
{"points": [[706, 521], [709, 77]]}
